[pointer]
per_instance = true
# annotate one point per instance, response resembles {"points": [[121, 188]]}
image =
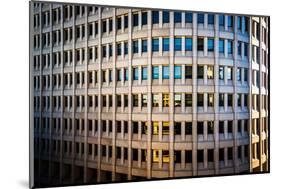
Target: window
{"points": [[144, 73], [210, 72], [200, 44], [229, 153], [221, 45], [144, 18], [166, 72], [221, 127], [188, 44], [221, 20], [239, 100], [155, 72], [200, 128], [238, 74], [210, 99], [166, 44], [239, 44], [210, 45], [165, 128], [119, 49], [135, 73], [135, 46], [188, 17], [200, 99], [221, 154], [177, 44], [125, 48], [177, 72], [118, 23], [245, 74], [210, 155], [155, 44], [200, 18], [229, 100], [245, 100], [135, 19], [211, 19], [166, 17], [200, 72], [155, 17], [245, 49], [126, 74], [144, 45], [177, 100], [143, 100], [188, 128], [119, 75], [188, 156], [188, 100], [221, 73], [165, 100], [177, 128], [188, 72], [126, 21], [221, 99], [229, 47], [135, 100], [229, 21], [155, 100], [229, 73], [177, 17]]}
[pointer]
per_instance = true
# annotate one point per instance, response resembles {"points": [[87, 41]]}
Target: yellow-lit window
{"points": [[210, 99], [165, 100], [210, 72], [155, 156], [165, 128], [165, 156], [155, 98], [155, 127]]}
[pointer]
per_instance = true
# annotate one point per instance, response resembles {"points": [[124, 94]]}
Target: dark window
{"points": [[200, 156], [229, 100], [229, 154], [135, 46], [200, 44], [118, 23], [200, 18], [135, 127], [211, 19], [188, 44], [188, 17], [144, 18], [166, 44], [177, 128], [188, 72], [166, 17], [188, 156], [144, 45], [221, 154], [177, 155], [221, 20], [126, 21], [155, 17], [210, 155], [210, 127], [135, 19], [200, 72], [221, 127], [177, 17], [200, 128], [188, 128], [221, 99], [229, 127], [188, 100], [230, 21], [210, 44], [200, 99], [155, 44], [177, 44]]}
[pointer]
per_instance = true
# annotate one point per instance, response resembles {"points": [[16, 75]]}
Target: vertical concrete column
{"points": [[140, 20], [161, 19], [194, 95], [171, 96]]}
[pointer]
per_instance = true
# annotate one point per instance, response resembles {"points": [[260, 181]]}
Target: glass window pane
{"points": [[155, 100], [155, 17], [135, 19], [155, 44], [188, 72], [210, 72], [221, 72], [200, 72], [200, 99], [211, 19], [200, 18], [144, 73], [166, 17], [221, 20], [188, 17], [135, 46], [144, 18], [155, 72], [126, 74], [229, 73], [177, 44], [229, 47], [188, 44], [165, 100], [221, 46], [188, 100], [177, 72], [210, 44], [166, 44], [200, 44], [136, 73], [177, 100], [177, 17], [144, 45], [165, 72], [230, 21], [238, 74]]}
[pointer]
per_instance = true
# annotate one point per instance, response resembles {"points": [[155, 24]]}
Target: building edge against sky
{"points": [[127, 94]]}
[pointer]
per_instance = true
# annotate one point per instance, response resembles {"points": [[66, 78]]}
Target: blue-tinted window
{"points": [[221, 46], [144, 73], [221, 20], [166, 17], [135, 46], [188, 17], [211, 19], [229, 21], [144, 45], [177, 72], [125, 21], [135, 19], [200, 18], [119, 49], [119, 75], [245, 49], [155, 45], [166, 44], [126, 48], [166, 72], [144, 18], [155, 72], [188, 44], [126, 74], [229, 47], [155, 17], [136, 73], [239, 47], [210, 44], [177, 17], [177, 44], [239, 23]]}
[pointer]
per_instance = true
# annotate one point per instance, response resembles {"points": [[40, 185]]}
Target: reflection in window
{"points": [[155, 44], [221, 20], [155, 72], [166, 17], [229, 47], [177, 17], [143, 100], [144, 45], [229, 73], [210, 99], [188, 17], [210, 45], [188, 100], [210, 72], [188, 44], [155, 17], [165, 129], [165, 99], [135, 73], [177, 100], [177, 44], [144, 73], [238, 74], [221, 72], [177, 72], [211, 19], [155, 100], [221, 45], [166, 44], [200, 18], [135, 46]]}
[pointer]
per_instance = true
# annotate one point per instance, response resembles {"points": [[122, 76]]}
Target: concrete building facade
{"points": [[123, 94]]}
